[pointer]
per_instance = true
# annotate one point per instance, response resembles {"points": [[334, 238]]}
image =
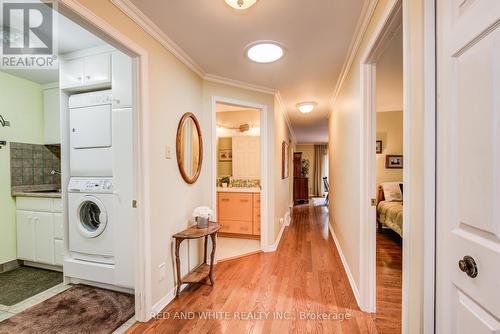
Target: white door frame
{"points": [[368, 179], [87, 19], [264, 178]]}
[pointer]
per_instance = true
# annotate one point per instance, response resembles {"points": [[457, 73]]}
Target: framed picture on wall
{"points": [[394, 161], [284, 160], [225, 155], [378, 147]]}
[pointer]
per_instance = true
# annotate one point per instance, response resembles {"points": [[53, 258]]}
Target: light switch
{"points": [[168, 152]]}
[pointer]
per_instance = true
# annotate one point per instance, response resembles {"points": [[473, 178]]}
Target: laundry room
{"points": [[67, 231]]}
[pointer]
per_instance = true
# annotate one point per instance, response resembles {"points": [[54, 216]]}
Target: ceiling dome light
{"points": [[241, 4], [264, 52], [306, 107]]}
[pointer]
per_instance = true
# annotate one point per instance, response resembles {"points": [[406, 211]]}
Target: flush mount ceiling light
{"points": [[241, 4], [264, 52], [306, 107]]}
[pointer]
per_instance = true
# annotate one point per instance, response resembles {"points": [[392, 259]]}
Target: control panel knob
{"points": [[108, 185]]}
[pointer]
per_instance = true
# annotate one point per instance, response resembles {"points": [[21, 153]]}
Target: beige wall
{"points": [[308, 153], [344, 146], [390, 132]]}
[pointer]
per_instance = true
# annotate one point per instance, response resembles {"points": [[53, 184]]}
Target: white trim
{"points": [[87, 52], [429, 166], [274, 247], [285, 115], [347, 270], [389, 21], [129, 9], [264, 168], [86, 18], [239, 84], [288, 219], [365, 18]]}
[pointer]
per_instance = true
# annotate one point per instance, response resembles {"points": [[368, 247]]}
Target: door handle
{"points": [[468, 266]]}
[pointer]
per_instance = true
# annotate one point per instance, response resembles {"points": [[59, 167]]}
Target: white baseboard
{"points": [[167, 299], [346, 267], [274, 247], [288, 218]]}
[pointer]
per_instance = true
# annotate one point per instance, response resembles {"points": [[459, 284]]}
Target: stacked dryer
{"points": [[101, 235]]}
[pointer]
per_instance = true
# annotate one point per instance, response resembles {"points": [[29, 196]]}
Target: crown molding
{"points": [[285, 115], [365, 18], [129, 9], [239, 84]]}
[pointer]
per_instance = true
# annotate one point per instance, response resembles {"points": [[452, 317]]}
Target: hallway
{"points": [[304, 277]]}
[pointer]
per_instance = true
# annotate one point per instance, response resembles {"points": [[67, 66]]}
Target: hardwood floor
{"points": [[304, 277], [389, 282]]}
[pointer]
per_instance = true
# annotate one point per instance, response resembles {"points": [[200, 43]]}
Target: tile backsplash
{"points": [[31, 164], [240, 183]]}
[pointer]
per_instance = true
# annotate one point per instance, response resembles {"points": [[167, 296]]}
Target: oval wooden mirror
{"points": [[189, 148]]}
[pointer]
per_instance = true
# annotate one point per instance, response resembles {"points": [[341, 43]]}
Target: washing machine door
{"points": [[92, 217]]}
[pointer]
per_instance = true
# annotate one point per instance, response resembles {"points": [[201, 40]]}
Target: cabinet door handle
{"points": [[79, 78], [243, 200], [225, 199], [88, 76]]}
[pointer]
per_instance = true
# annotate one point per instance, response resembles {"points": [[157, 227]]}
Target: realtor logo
{"points": [[28, 31]]}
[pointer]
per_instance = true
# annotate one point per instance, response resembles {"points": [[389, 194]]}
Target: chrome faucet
{"points": [[54, 172]]}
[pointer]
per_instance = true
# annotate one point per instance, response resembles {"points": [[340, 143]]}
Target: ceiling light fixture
{"points": [[264, 52], [306, 107], [241, 4]]}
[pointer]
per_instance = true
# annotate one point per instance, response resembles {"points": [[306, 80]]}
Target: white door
{"points": [[97, 69], [90, 127], [72, 73], [44, 237], [468, 167], [25, 235]]}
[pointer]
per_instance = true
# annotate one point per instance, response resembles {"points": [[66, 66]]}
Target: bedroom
{"points": [[389, 183]]}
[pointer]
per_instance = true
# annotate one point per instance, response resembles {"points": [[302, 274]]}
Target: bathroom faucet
{"points": [[54, 172]]}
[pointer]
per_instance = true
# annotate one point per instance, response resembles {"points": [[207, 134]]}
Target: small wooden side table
{"points": [[203, 271]]}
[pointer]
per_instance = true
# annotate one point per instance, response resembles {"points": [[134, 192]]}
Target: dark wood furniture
{"points": [[300, 184], [203, 271]]}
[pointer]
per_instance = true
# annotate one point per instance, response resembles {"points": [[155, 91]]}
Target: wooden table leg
{"points": [[178, 265], [212, 257], [205, 249]]}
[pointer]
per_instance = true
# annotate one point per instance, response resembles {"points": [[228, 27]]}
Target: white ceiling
{"points": [[316, 36], [390, 75], [70, 37]]}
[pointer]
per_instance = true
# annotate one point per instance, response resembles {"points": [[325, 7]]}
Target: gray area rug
{"points": [[80, 309], [21, 283]]}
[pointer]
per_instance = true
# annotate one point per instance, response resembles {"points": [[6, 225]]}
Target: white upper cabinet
{"points": [[122, 80], [51, 115], [97, 69], [87, 72], [72, 73]]}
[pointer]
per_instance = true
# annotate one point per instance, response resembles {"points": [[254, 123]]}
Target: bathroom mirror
{"points": [[189, 148]]}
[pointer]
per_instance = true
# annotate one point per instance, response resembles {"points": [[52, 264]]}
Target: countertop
{"points": [[44, 191], [238, 190]]}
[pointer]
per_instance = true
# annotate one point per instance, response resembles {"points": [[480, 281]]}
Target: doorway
{"points": [[239, 176], [382, 177], [53, 188]]}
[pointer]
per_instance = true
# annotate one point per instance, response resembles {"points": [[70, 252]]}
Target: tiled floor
{"points": [[8, 311], [228, 248]]}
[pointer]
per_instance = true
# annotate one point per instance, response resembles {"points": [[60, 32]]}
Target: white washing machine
{"points": [[91, 230]]}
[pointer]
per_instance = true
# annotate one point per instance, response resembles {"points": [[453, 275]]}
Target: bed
{"points": [[389, 213]]}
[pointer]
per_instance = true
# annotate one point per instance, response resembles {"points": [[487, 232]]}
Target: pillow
{"points": [[392, 191]]}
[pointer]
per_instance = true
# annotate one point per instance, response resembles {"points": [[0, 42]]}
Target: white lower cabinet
{"points": [[39, 232]]}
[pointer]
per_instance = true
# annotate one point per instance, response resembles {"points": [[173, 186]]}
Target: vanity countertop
{"points": [[36, 191], [238, 190]]}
